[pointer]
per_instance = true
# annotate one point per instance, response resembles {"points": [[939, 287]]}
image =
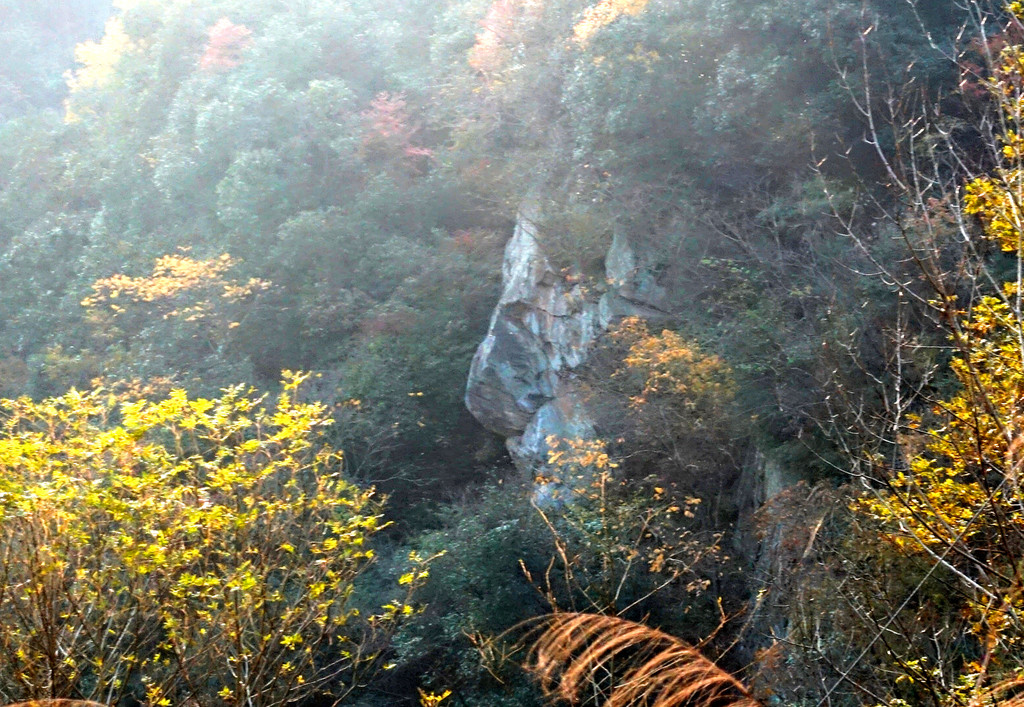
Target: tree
{"points": [[227, 42], [942, 477], [180, 317], [36, 48]]}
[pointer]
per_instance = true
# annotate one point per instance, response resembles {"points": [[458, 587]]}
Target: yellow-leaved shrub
{"points": [[180, 551]]}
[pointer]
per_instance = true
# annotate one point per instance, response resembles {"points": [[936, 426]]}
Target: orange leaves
{"points": [[961, 484], [172, 275], [498, 33], [226, 43], [669, 365], [632, 529], [994, 198], [578, 454], [603, 14], [966, 457], [487, 54], [991, 200]]}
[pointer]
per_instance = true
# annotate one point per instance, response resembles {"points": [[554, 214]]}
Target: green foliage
{"points": [[368, 162], [476, 592], [829, 580], [623, 546], [618, 546], [36, 48]]}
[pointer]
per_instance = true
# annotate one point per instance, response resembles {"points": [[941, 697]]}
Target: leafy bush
{"points": [[182, 550]]}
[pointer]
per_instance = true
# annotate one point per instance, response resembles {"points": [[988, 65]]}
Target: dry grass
{"points": [[607, 661], [1009, 693], [57, 703]]}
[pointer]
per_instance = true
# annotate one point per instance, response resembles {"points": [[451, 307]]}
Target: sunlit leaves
{"points": [[667, 365], [954, 497], [603, 14], [192, 542], [98, 60], [432, 699], [579, 453], [623, 535], [174, 276], [498, 32]]}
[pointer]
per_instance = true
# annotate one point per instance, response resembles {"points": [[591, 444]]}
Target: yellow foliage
{"points": [[603, 14], [97, 63], [579, 453], [629, 526], [98, 59], [432, 699], [669, 365], [957, 497], [963, 489], [175, 275], [642, 56], [207, 534]]}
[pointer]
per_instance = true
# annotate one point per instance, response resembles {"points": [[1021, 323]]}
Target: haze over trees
{"points": [[786, 236]]}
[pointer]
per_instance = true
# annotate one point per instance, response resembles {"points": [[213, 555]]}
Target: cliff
{"points": [[523, 383]]}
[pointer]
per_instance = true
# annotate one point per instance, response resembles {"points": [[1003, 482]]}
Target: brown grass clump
{"points": [[608, 661], [1009, 693], [57, 703]]}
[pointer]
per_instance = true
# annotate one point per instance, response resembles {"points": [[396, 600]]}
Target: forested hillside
{"points": [[342, 341]]}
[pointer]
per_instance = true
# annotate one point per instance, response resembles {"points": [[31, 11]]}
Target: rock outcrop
{"points": [[523, 383], [633, 288]]}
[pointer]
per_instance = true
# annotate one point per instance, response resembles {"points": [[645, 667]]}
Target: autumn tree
{"points": [[225, 46], [676, 398], [941, 474], [185, 309]]}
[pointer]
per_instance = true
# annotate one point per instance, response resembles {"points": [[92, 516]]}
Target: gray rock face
{"points": [[634, 290], [621, 262], [541, 330], [566, 417], [522, 382]]}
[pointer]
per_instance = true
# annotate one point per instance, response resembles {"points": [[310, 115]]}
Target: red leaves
{"points": [[226, 43], [390, 131], [388, 118]]}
